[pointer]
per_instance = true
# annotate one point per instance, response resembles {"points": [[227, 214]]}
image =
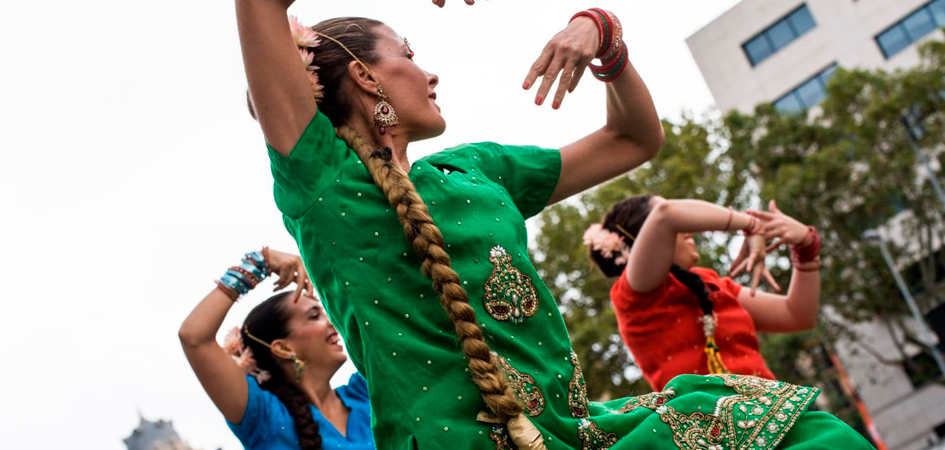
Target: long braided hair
{"points": [[630, 215], [357, 35], [269, 321]]}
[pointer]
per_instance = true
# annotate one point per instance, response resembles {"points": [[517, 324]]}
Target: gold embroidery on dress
{"points": [[509, 295], [577, 390], [756, 418], [591, 437], [652, 401], [524, 387], [500, 436], [594, 439]]}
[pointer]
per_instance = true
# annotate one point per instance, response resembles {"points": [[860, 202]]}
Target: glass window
{"points": [[937, 8], [780, 34], [811, 92], [827, 74], [758, 49], [788, 104], [893, 40], [802, 20], [918, 24]]}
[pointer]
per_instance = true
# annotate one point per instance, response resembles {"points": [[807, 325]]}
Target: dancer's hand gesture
{"points": [[752, 257], [781, 226], [442, 3], [568, 53], [290, 270]]}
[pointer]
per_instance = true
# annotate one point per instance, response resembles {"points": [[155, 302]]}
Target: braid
{"points": [[695, 284], [427, 241], [298, 405]]}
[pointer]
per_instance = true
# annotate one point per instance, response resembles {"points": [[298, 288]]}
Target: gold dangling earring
{"points": [[299, 366], [384, 115]]}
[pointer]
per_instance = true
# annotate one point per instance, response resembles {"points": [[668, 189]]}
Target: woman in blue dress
{"points": [[270, 379]]}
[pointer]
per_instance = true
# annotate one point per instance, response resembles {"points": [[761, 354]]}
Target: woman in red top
{"points": [[677, 318]]}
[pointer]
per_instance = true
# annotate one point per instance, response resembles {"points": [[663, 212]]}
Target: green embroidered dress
{"points": [[400, 339]]}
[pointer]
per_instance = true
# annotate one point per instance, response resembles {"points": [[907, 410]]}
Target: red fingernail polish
{"points": [[525, 85], [538, 100], [555, 105]]}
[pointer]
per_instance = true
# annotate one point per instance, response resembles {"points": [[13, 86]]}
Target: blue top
{"points": [[267, 424]]}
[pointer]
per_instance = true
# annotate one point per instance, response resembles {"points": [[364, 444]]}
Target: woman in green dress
{"points": [[498, 362]]}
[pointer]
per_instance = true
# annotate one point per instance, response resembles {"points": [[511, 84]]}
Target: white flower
{"points": [[301, 34]]}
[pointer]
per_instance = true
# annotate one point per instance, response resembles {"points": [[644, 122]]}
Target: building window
{"points": [[779, 35], [808, 94], [915, 26]]}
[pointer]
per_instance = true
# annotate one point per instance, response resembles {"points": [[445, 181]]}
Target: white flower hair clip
{"points": [[306, 39], [233, 346], [608, 243]]}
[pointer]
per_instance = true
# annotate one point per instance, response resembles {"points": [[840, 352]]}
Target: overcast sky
{"points": [[132, 176]]}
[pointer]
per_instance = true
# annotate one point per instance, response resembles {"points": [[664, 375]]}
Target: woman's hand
{"points": [[752, 257], [442, 3], [568, 52], [290, 270], [781, 226]]}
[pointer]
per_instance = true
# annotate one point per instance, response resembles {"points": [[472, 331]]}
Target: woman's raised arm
{"points": [[278, 84]]}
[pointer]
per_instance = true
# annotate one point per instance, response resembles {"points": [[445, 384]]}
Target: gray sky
{"points": [[132, 176]]}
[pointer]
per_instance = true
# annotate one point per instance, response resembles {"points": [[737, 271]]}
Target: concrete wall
{"points": [[845, 33]]}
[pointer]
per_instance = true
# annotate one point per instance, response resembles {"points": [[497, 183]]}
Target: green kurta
{"points": [[400, 339]]}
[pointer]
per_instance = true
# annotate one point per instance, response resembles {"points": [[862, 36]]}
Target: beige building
{"points": [[784, 52]]}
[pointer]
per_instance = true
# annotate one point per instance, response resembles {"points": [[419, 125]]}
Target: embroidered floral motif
{"points": [[500, 436], [577, 390], [591, 437], [524, 387], [652, 401], [509, 295], [756, 418], [594, 439]]}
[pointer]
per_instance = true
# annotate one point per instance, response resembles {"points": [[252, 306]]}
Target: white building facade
{"points": [[781, 51], [784, 52]]}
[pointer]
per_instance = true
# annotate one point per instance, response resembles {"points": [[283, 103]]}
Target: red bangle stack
{"points": [[808, 252], [612, 51]]}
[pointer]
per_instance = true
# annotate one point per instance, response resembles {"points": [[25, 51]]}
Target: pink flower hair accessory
{"points": [[243, 356], [608, 243], [306, 39]]}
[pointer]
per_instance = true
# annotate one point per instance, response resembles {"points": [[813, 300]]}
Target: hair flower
{"points": [[243, 356], [302, 35], [608, 243]]}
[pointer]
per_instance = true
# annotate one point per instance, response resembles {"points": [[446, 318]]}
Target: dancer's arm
{"points": [[632, 133], [278, 83], [651, 255], [796, 311], [219, 375]]}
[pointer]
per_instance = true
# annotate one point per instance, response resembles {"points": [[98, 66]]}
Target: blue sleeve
{"points": [[258, 418], [357, 387]]}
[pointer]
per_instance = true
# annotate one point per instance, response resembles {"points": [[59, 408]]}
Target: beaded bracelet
{"points": [[239, 280]]}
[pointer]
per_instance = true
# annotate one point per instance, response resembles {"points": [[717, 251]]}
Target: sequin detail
{"points": [[524, 387], [652, 401], [757, 417], [509, 294], [591, 437], [501, 437]]}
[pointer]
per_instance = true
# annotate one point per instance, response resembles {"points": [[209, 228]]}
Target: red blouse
{"points": [[664, 334]]}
